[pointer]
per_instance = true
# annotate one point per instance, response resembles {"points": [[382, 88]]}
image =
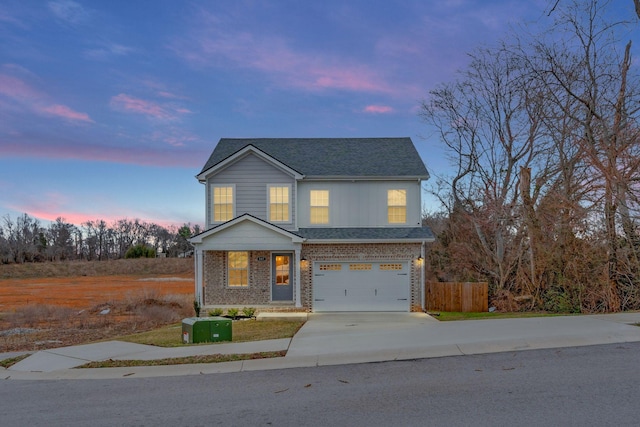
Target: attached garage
{"points": [[361, 286]]}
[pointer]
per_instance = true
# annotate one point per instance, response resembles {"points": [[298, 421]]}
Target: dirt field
{"points": [[57, 304], [86, 292]]}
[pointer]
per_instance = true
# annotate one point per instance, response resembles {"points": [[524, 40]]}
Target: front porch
{"points": [[248, 262], [272, 280]]}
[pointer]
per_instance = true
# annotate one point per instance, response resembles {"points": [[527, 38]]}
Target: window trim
{"points": [[290, 202], [213, 204], [390, 206], [312, 206], [229, 269]]}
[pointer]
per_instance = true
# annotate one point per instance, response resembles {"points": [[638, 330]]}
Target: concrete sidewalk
{"points": [[344, 338]]}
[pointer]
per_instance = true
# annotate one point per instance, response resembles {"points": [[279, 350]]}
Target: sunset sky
{"points": [[108, 109]]}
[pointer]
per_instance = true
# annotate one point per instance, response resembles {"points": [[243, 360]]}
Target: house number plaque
{"points": [[262, 258]]}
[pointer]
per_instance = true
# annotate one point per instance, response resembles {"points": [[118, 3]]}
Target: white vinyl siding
{"points": [[248, 236], [249, 175], [360, 203]]}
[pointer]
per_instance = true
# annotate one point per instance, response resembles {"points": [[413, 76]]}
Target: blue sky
{"points": [[109, 109]]}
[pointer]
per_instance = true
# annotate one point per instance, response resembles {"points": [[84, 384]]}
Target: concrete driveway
{"points": [[358, 336]]}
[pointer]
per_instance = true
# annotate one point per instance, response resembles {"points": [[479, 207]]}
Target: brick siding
{"points": [[216, 291], [258, 293]]}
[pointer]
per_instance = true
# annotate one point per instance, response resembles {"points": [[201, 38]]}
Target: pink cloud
{"points": [[170, 95], [212, 46], [138, 155], [15, 88], [67, 113], [53, 205], [69, 11], [21, 94], [175, 137], [79, 218], [124, 102], [108, 51], [378, 109], [129, 104]]}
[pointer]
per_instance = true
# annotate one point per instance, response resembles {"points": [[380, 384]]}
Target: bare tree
{"points": [[544, 138], [590, 80], [488, 122]]}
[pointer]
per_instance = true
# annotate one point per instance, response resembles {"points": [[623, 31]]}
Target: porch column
{"points": [[422, 285], [199, 276], [297, 288]]}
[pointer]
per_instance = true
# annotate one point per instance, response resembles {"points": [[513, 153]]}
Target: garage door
{"points": [[361, 286]]}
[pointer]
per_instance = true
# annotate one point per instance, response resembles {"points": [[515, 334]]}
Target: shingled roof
{"points": [[333, 157], [364, 233]]}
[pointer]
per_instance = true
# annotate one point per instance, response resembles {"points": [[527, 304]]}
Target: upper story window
{"points": [[397, 206], [319, 207], [222, 203], [279, 203], [238, 269]]}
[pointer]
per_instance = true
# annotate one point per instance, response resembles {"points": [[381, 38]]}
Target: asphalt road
{"points": [[597, 385]]}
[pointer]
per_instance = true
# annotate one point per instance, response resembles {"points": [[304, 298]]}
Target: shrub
{"points": [[33, 315], [216, 312], [157, 314], [140, 251], [232, 312], [248, 311], [559, 300], [196, 307]]}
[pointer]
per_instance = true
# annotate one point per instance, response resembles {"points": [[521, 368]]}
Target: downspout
{"points": [[298, 276]]}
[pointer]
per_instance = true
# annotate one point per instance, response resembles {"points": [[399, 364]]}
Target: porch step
{"points": [[291, 316]]}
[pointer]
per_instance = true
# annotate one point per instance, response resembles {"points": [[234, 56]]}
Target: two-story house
{"points": [[313, 224]]}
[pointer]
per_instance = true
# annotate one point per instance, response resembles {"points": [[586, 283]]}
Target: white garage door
{"points": [[361, 286]]}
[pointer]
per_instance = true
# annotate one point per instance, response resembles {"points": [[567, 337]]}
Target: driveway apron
{"points": [[357, 333]]}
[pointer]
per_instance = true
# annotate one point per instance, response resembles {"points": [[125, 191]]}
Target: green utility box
{"points": [[206, 329]]}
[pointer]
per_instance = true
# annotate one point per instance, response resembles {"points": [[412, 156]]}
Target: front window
{"points": [[238, 267], [279, 206], [319, 206], [222, 203], [397, 206]]}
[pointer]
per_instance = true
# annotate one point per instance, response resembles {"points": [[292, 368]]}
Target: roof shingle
{"points": [[367, 233], [333, 157]]}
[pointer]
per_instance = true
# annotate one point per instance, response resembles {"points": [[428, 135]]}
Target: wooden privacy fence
{"points": [[457, 296]]}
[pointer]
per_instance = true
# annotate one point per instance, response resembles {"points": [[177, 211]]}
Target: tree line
{"points": [[25, 239], [542, 132]]}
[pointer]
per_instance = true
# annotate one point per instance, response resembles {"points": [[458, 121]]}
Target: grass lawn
{"points": [[242, 331], [211, 358], [446, 316], [6, 363], [171, 336]]}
